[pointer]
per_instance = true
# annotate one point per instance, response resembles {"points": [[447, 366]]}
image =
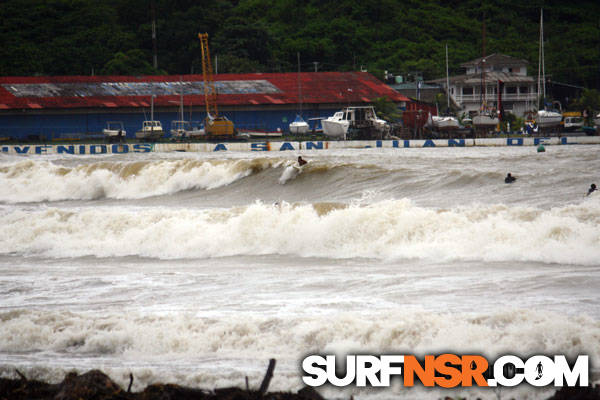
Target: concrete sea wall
{"points": [[100, 148]]}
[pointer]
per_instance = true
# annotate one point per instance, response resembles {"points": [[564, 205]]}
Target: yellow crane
{"points": [[214, 125]]}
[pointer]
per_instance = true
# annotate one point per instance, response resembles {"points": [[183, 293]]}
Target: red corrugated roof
{"points": [[244, 89]]}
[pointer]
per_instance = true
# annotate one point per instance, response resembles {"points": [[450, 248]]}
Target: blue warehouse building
{"points": [[51, 108]]}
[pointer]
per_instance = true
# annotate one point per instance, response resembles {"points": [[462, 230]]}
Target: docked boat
{"points": [[114, 130], [485, 120], [548, 119], [181, 129], [443, 123], [151, 130], [299, 126], [573, 123], [184, 129], [355, 123], [255, 133], [545, 118]]}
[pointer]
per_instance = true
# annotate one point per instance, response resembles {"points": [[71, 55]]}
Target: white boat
{"points": [[485, 120], [359, 118], [573, 123], [151, 130], [443, 123], [255, 133], [299, 126], [546, 119], [597, 121], [114, 129], [447, 122], [184, 129]]}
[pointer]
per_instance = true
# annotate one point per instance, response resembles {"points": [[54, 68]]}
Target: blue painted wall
{"points": [[57, 126]]}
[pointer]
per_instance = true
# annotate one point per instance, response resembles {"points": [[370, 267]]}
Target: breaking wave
{"points": [[393, 229], [36, 181]]}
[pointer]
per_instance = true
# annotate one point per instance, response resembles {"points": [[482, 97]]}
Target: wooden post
{"points": [[267, 379]]}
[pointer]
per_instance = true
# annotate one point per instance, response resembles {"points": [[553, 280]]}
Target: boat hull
{"points": [[260, 134], [149, 135], [445, 123], [546, 119], [299, 128], [112, 132], [335, 129], [485, 121]]}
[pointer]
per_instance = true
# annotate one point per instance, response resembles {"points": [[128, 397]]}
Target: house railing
{"points": [[476, 98]]}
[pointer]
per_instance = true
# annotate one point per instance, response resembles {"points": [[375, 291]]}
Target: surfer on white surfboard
{"points": [[292, 171]]}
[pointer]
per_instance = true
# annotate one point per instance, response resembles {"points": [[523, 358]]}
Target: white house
{"points": [[519, 92]]}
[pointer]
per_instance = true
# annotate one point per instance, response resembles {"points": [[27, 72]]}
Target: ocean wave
{"points": [[417, 331], [393, 229], [37, 181]]}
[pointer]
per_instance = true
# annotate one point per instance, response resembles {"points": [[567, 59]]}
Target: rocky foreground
{"points": [[95, 385]]}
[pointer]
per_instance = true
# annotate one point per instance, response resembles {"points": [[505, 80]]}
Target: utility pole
{"points": [[154, 49]]}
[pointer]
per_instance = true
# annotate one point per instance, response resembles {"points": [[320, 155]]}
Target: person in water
{"points": [[301, 162], [592, 189], [509, 178]]}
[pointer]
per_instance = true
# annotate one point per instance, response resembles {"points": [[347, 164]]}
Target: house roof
{"points": [[495, 59], [71, 92]]}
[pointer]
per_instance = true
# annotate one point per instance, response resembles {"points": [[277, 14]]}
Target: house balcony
{"points": [[513, 97]]}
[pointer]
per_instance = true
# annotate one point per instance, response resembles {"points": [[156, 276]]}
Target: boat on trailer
{"points": [[114, 131], [355, 123]]}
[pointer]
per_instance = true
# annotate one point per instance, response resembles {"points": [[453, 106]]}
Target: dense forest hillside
{"points": [[83, 37]]}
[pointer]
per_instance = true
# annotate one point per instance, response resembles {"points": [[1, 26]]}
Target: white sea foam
{"points": [[289, 339], [290, 172], [385, 230]]}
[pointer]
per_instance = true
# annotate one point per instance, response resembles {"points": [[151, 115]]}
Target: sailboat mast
{"points": [[299, 84], [543, 62], [541, 83], [447, 80], [483, 82], [181, 97]]}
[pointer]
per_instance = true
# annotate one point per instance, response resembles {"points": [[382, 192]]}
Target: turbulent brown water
{"points": [[198, 268]]}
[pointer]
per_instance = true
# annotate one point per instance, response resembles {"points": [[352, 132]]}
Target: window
{"points": [[524, 89], [511, 90], [467, 91]]}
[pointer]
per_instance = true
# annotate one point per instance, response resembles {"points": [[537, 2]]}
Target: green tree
{"points": [[386, 109], [132, 62]]}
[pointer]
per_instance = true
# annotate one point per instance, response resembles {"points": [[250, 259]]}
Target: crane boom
{"points": [[210, 93], [214, 124]]}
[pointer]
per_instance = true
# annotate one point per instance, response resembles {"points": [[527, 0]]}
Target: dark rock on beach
{"points": [[95, 385]]}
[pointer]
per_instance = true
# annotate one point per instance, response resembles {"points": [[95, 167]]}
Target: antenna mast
{"points": [[299, 84], [483, 83], [447, 80]]}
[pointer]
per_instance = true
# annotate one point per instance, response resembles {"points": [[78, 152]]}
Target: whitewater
{"points": [[198, 268]]}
